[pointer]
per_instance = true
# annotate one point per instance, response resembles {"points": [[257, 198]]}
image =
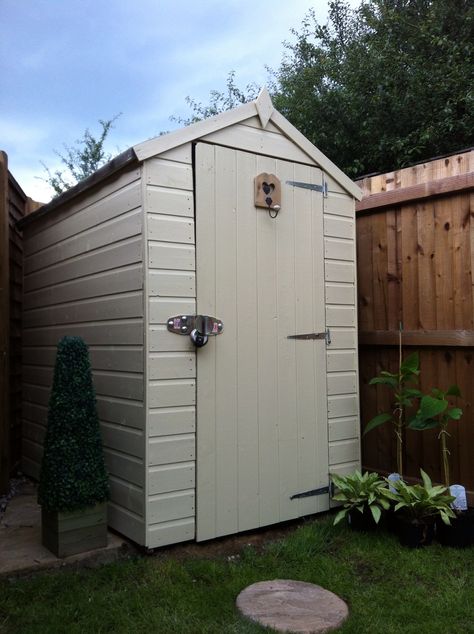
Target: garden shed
{"points": [[238, 218]]}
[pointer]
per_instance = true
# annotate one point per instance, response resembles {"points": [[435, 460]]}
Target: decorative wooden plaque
{"points": [[267, 191]]}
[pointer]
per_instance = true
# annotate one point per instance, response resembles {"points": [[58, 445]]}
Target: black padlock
{"points": [[198, 339]]}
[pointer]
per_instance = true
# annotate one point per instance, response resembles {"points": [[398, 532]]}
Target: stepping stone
{"points": [[292, 606]]}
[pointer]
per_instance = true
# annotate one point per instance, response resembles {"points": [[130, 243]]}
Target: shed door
{"points": [[261, 397]]}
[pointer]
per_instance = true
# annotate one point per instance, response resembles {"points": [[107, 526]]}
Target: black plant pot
{"points": [[362, 522], [460, 534], [391, 521], [415, 534]]}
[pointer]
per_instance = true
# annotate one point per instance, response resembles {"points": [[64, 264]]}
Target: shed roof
{"points": [[264, 109], [261, 107]]}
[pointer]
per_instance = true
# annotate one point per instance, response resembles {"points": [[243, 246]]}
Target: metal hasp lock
{"points": [[198, 327]]}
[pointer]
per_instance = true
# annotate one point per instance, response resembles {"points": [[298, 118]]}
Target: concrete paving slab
{"points": [[292, 606], [21, 552]]}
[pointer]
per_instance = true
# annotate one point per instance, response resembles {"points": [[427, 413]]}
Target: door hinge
{"points": [[316, 188], [321, 491], [314, 335]]}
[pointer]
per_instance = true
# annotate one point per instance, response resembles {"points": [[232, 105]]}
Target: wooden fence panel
{"points": [[13, 205], [415, 263]]}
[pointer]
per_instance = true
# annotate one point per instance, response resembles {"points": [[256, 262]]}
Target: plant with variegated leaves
{"points": [[420, 502], [401, 384], [359, 492], [436, 411]]}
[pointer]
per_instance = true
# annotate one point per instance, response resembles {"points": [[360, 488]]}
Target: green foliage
{"points": [[378, 87], [418, 502], [403, 397], [73, 474], [383, 85], [357, 491], [82, 159], [435, 411], [389, 589], [232, 97]]}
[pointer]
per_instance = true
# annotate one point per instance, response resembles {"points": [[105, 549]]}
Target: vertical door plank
{"points": [[247, 345], [267, 360], [286, 380], [226, 345], [305, 380], [206, 357]]}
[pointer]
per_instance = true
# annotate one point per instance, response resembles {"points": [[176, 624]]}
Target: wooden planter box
{"points": [[67, 533]]}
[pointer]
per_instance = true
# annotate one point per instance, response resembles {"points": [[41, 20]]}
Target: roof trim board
{"points": [[264, 109]]}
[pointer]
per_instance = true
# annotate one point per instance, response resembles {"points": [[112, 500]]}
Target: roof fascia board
{"points": [[192, 132], [327, 165], [118, 163]]}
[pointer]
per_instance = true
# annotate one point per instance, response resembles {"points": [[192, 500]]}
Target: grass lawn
{"points": [[389, 589]]}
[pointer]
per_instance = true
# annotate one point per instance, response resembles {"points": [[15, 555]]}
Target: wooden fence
{"points": [[14, 204], [415, 240]]}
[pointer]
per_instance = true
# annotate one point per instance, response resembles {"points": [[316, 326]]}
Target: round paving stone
{"points": [[292, 606]]}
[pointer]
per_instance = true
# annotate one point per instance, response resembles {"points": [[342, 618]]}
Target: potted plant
{"points": [[73, 486], [435, 411], [401, 384], [363, 499], [417, 507]]}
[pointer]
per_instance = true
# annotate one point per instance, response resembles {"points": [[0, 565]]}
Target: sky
{"points": [[65, 64]]}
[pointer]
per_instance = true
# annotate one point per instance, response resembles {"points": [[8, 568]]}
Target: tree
{"points": [[378, 87], [82, 159], [384, 85], [219, 101]]}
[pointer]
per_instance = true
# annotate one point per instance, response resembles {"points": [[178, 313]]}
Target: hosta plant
{"points": [[419, 503], [361, 492]]}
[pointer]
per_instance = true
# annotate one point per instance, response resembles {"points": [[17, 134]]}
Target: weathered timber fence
{"points": [[415, 241], [14, 204]]}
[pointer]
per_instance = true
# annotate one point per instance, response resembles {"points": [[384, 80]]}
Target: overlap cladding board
{"points": [[84, 276]]}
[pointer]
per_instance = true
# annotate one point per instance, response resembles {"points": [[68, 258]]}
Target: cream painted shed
{"points": [[240, 433]]}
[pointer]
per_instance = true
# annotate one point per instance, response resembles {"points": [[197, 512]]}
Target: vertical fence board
{"points": [[4, 326]]}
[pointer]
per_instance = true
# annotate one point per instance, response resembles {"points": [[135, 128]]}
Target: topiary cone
{"points": [[73, 474]]}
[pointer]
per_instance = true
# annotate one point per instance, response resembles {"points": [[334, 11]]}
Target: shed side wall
{"points": [[84, 276], [171, 360], [341, 319]]}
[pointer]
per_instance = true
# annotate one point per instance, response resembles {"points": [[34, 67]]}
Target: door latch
{"points": [[198, 327]]}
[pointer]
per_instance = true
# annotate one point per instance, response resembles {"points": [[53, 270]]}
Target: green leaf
{"points": [[453, 390], [411, 392], [454, 413], [380, 419], [411, 363], [376, 513], [426, 479], [384, 380], [419, 424], [431, 407], [340, 516]]}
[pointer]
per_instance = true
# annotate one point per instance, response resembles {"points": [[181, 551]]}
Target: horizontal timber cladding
{"points": [[171, 359], [415, 267], [84, 276], [341, 319]]}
